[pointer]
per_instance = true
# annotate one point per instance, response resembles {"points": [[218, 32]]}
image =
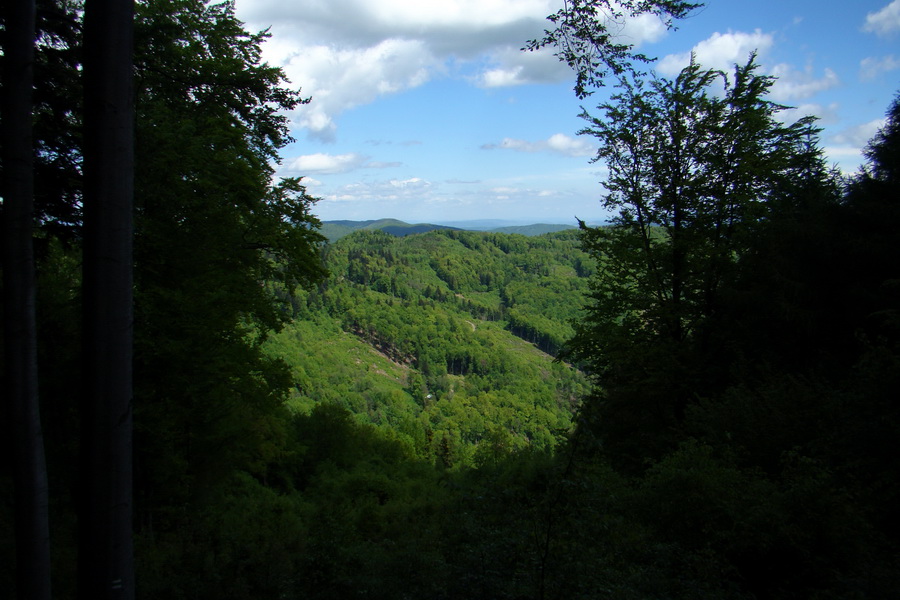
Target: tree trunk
{"points": [[19, 324], [105, 561]]}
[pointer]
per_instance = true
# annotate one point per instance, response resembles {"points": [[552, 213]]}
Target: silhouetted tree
{"points": [[105, 558], [19, 324], [692, 176]]}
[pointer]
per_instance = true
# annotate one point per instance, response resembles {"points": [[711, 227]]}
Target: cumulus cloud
{"points": [[330, 164], [845, 148], [858, 136], [723, 50], [720, 51], [510, 66], [504, 193], [346, 53], [870, 68], [642, 29], [311, 182], [413, 183], [885, 21], [794, 85], [388, 194], [846, 158], [557, 143], [341, 78], [824, 114]]}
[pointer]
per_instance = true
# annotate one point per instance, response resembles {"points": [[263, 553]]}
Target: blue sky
{"points": [[426, 110]]}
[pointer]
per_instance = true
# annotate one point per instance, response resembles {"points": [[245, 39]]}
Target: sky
{"points": [[428, 111]]}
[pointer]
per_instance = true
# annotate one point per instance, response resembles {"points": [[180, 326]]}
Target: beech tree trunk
{"points": [[105, 559], [32, 530]]}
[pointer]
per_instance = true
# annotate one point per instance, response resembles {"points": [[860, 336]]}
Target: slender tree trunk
{"points": [[19, 323], [105, 560]]}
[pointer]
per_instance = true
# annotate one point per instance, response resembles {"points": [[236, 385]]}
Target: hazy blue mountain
{"points": [[536, 229]]}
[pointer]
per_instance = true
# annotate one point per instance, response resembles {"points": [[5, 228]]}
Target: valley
{"points": [[446, 338]]}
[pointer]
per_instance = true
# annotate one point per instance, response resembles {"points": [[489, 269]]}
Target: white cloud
{"points": [[885, 21], [510, 66], [846, 147], [793, 84], [557, 143], [858, 136], [330, 164], [504, 191], [824, 114], [720, 51], [723, 50], [414, 183], [325, 163], [339, 79], [842, 152], [503, 77], [642, 29], [847, 158], [460, 17], [870, 68], [346, 53], [570, 146], [399, 198], [416, 199]]}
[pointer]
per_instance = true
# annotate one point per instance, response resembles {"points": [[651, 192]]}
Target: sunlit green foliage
{"points": [[442, 338]]}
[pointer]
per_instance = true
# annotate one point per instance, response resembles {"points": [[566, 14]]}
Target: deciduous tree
{"points": [[692, 175]]}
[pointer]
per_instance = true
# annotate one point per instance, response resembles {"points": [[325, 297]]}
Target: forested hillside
{"points": [[447, 338], [335, 230]]}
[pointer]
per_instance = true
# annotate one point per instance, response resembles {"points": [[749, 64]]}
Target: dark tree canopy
{"points": [[217, 242], [22, 425], [106, 503], [694, 177]]}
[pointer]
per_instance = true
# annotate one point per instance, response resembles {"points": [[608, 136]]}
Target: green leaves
{"points": [[691, 175], [218, 248], [447, 330], [695, 175]]}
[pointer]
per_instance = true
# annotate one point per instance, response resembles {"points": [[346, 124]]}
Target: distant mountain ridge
{"points": [[335, 230], [535, 229]]}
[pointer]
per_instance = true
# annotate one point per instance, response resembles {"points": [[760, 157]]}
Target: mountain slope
{"points": [[444, 338], [335, 230]]}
